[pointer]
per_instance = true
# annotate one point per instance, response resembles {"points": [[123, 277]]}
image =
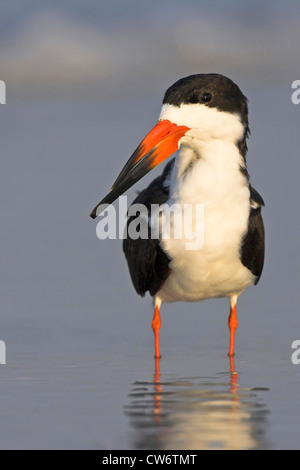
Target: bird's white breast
{"points": [[208, 173]]}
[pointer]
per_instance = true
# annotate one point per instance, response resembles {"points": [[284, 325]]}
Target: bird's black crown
{"points": [[214, 91]]}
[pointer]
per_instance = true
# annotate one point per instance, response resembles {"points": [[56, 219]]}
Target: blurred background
{"points": [[85, 81], [125, 49]]}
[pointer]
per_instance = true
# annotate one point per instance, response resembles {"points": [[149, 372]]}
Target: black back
{"points": [[253, 244], [148, 264]]}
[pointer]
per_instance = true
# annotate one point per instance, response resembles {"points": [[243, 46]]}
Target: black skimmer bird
{"points": [[205, 118]]}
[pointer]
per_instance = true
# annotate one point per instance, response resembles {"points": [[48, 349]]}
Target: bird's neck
{"points": [[204, 167]]}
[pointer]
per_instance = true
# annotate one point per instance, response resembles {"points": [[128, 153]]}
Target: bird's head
{"points": [[210, 105], [202, 106]]}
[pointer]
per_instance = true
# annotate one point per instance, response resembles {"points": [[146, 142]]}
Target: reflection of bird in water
{"points": [[197, 413], [205, 118]]}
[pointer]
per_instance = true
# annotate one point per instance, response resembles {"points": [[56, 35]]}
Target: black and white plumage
{"points": [[149, 264], [207, 117]]}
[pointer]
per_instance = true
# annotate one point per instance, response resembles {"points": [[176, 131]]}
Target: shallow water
{"points": [[80, 371], [207, 413], [93, 397]]}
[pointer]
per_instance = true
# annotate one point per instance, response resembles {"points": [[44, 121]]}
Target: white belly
{"points": [[205, 274], [215, 270]]}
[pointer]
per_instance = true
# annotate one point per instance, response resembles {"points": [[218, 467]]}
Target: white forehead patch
{"points": [[209, 121]]}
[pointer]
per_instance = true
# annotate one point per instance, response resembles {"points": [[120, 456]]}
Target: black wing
{"points": [[148, 264], [253, 246]]}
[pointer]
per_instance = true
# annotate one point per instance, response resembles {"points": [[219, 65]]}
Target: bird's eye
{"points": [[206, 98]]}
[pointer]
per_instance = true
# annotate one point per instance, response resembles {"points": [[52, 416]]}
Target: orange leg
{"points": [[156, 325], [233, 324]]}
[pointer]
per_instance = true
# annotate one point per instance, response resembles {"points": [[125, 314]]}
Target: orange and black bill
{"points": [[158, 145]]}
